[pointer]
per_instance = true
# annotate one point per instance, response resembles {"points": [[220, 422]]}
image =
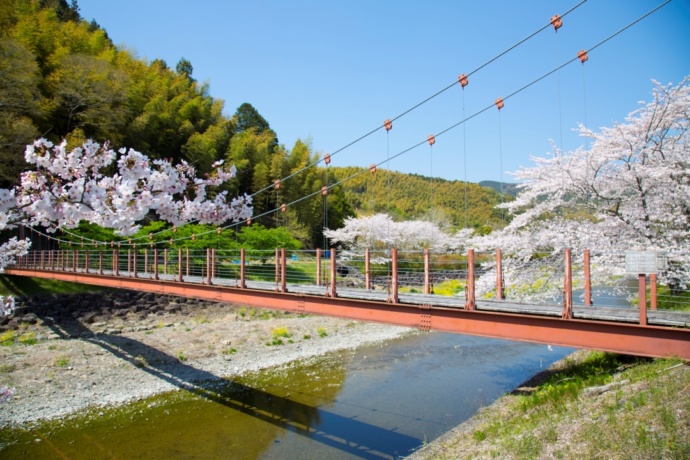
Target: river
{"points": [[379, 401]]}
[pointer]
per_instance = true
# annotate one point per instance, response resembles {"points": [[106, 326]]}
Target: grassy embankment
{"points": [[22, 285], [595, 405]]}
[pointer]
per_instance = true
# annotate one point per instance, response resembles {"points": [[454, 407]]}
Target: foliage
{"points": [[410, 197], [258, 237]]}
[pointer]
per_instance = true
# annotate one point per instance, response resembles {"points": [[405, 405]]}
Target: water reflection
{"points": [[380, 401]]}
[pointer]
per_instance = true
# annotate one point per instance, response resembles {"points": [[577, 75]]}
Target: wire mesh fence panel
{"points": [[448, 273], [300, 267], [611, 286], [411, 274], [536, 277], [227, 265]]}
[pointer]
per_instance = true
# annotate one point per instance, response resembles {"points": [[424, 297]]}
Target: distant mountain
{"points": [[508, 188], [413, 196]]}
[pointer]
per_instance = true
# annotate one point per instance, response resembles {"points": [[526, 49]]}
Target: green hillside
{"points": [[413, 196], [506, 188]]}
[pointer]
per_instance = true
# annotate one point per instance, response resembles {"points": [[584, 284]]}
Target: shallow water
{"points": [[381, 401]]}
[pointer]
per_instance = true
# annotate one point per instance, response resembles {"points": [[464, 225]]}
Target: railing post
{"points": [[129, 262], [318, 266], [499, 276], [277, 269], [213, 264], [367, 269], [427, 274], [642, 298], [43, 258], [243, 258], [208, 266], [62, 259], [568, 287], [134, 261], [469, 287], [155, 264], [179, 265], [86, 262], [652, 290], [187, 250], [283, 281], [75, 261], [116, 268], [331, 289], [100, 262], [588, 279], [394, 275], [146, 261]]}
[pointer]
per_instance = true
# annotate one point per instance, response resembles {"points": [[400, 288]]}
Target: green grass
{"points": [[28, 338], [644, 415], [281, 332], [61, 361], [7, 368], [666, 301], [449, 288], [22, 285], [7, 338], [322, 332], [295, 272]]}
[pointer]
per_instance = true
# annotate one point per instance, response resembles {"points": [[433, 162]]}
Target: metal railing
{"points": [[574, 279]]}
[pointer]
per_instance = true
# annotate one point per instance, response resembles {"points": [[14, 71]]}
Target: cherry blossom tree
{"points": [[69, 186], [629, 191], [380, 231]]}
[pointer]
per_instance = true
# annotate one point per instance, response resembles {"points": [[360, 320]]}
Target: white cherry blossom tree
{"points": [[67, 187], [380, 231], [630, 190]]}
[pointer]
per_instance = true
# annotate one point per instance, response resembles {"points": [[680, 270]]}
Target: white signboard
{"points": [[645, 262]]}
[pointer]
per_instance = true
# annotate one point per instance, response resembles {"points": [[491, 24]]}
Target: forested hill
{"points": [[63, 78], [413, 196]]}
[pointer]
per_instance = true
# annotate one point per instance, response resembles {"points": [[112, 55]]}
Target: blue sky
{"points": [[330, 72]]}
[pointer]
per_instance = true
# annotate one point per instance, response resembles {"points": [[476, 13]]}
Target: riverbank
{"points": [[589, 405], [61, 364]]}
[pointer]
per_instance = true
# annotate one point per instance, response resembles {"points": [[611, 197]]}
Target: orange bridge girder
{"points": [[652, 341]]}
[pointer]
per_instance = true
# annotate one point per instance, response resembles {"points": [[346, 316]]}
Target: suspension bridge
{"points": [[352, 285], [306, 282]]}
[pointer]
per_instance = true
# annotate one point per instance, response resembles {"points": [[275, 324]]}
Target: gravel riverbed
{"points": [[87, 360]]}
